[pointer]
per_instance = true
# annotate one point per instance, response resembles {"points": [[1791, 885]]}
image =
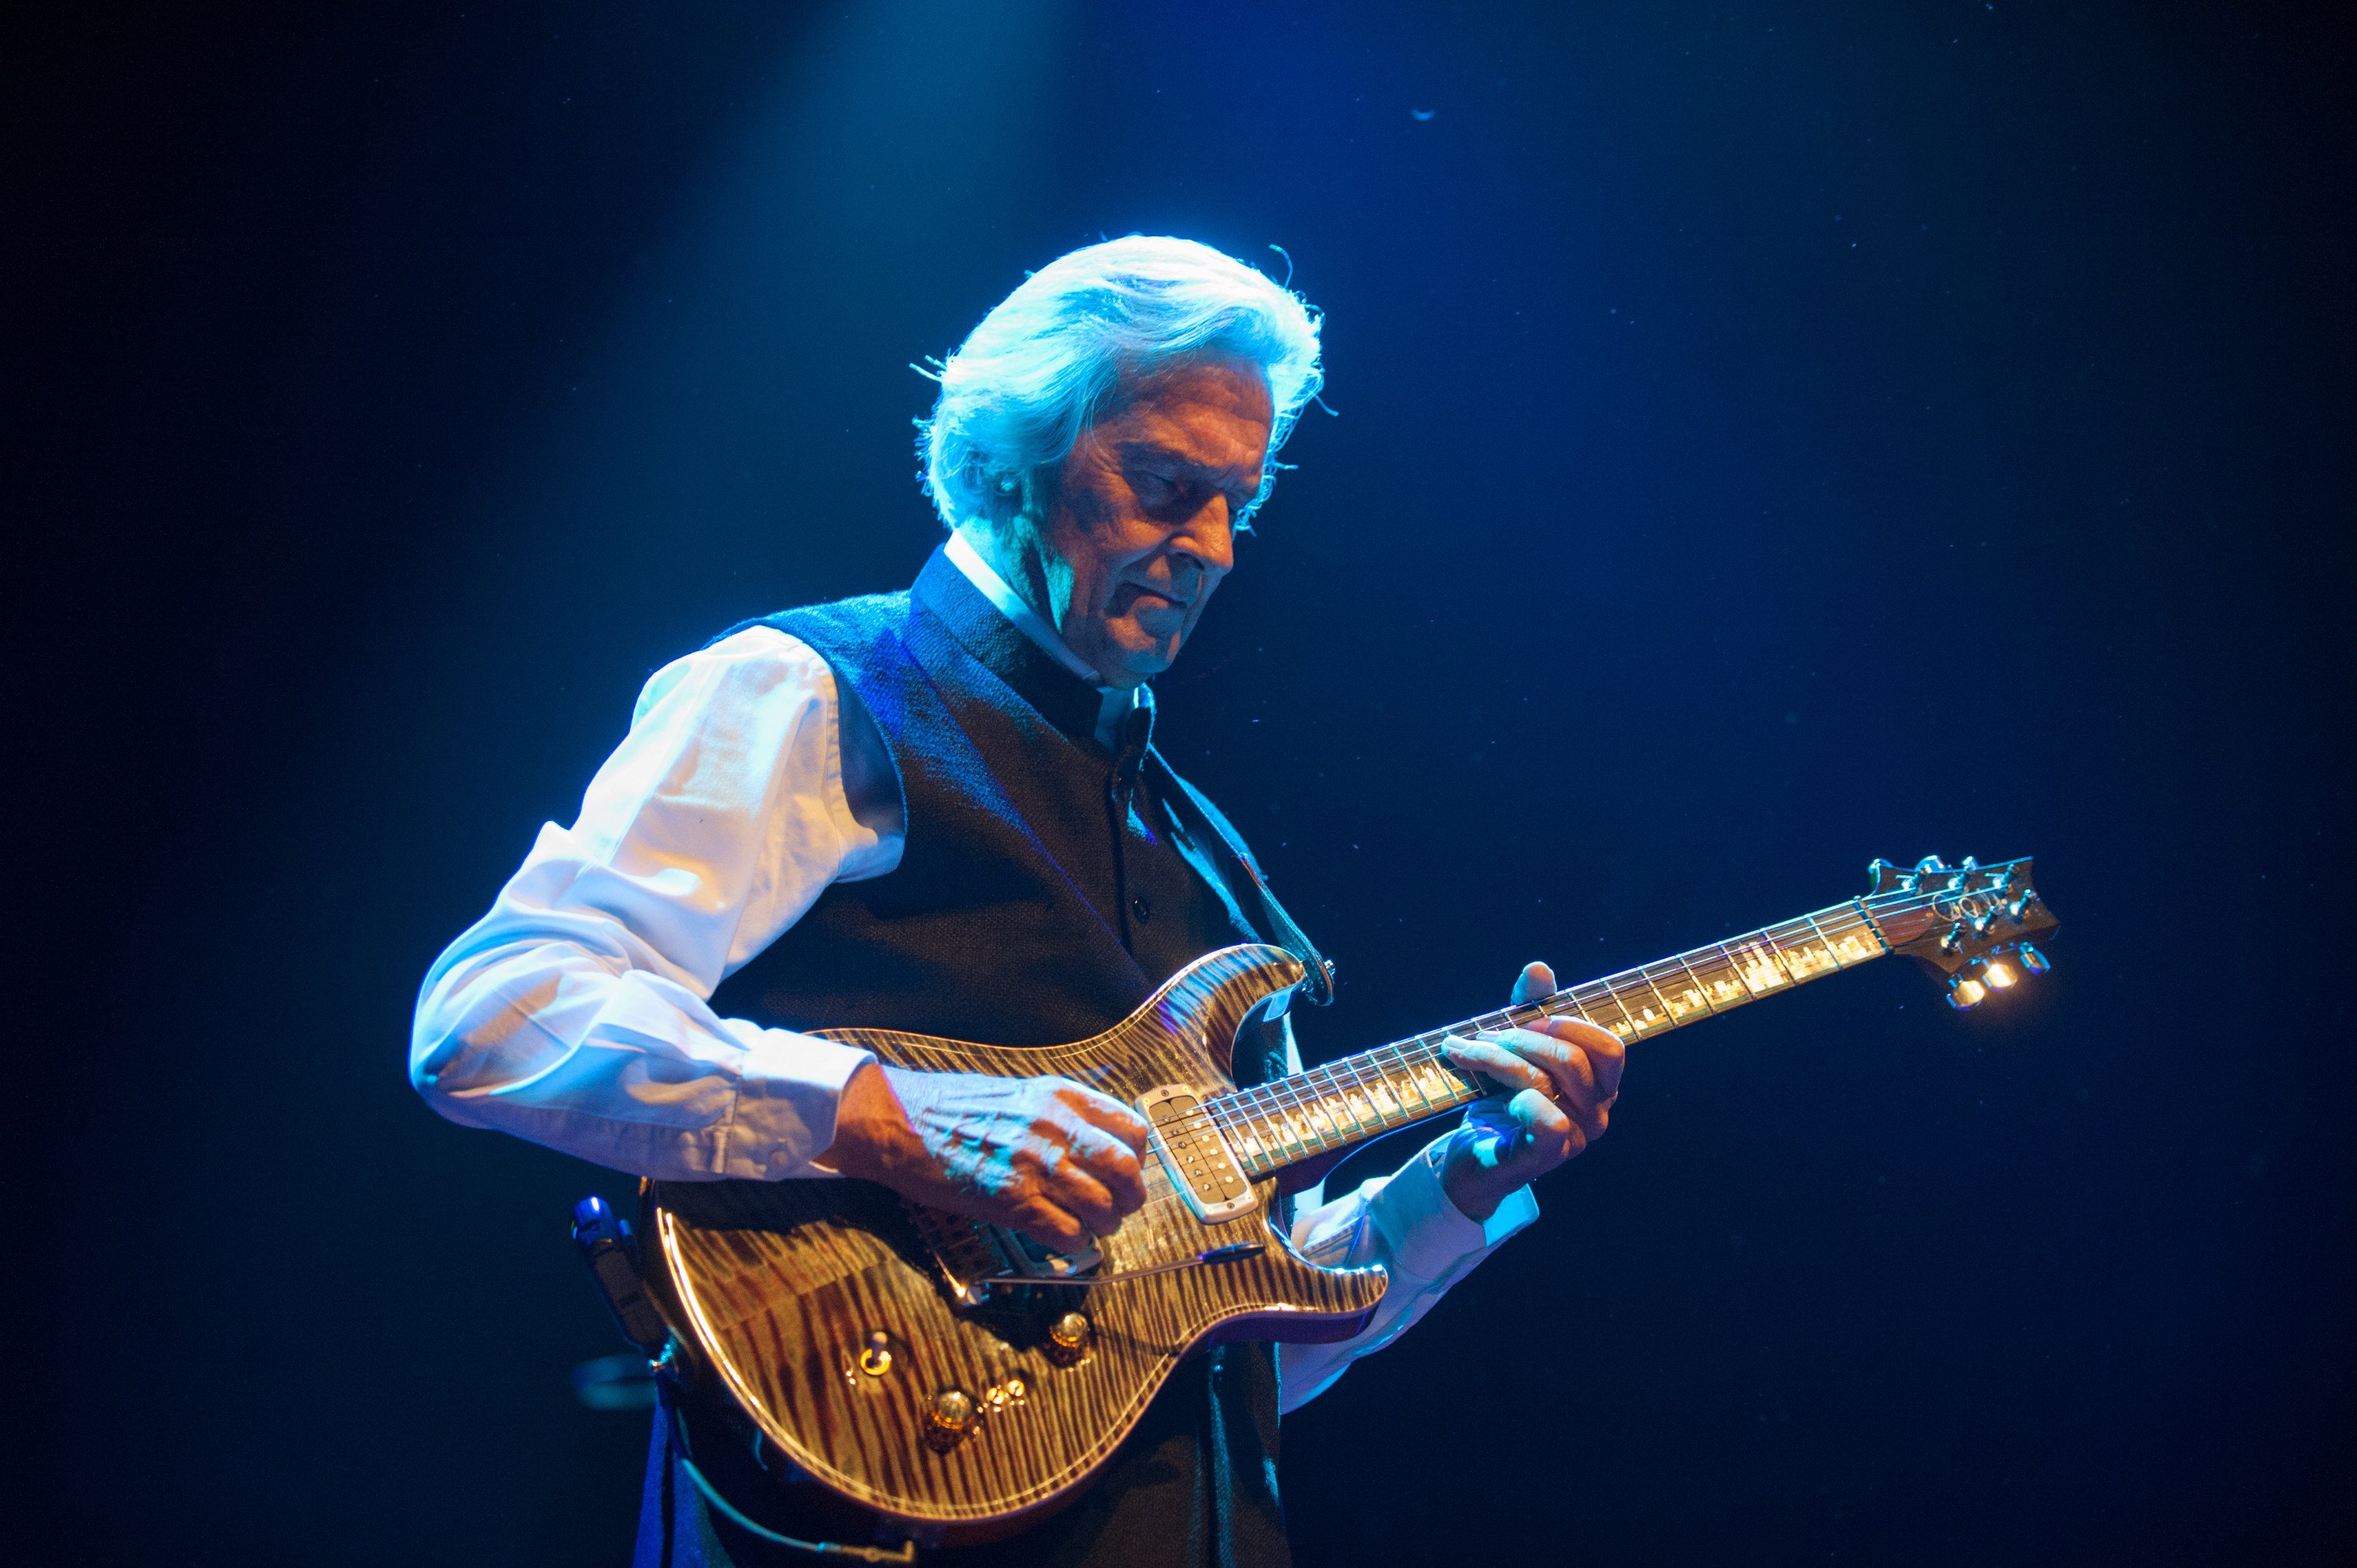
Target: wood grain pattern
{"points": [[775, 1287]]}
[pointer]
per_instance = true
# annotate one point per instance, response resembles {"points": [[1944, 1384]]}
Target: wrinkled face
{"points": [[1139, 527]]}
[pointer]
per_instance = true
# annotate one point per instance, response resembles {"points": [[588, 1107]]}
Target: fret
{"points": [[1799, 948], [1389, 1069], [1825, 941], [1758, 968], [1416, 1070], [1280, 1139], [1347, 1100], [1863, 939], [1589, 999], [1441, 1088], [1354, 1099], [1684, 997], [1242, 1130], [1722, 981], [1350, 1096], [1650, 1014], [1643, 1015], [1311, 1111], [1380, 1090]]}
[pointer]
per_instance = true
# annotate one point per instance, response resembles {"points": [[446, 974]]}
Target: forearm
{"points": [[558, 1043]]}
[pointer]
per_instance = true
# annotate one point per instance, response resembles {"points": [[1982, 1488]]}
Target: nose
{"points": [[1209, 538]]}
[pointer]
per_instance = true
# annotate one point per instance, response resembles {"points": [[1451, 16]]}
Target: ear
{"points": [[1004, 496]]}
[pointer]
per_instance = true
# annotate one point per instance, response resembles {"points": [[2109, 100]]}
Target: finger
{"points": [[1485, 1058], [1085, 1199], [1569, 1072], [1564, 1064], [1113, 1164], [1536, 980], [1547, 1129], [1047, 1224], [1604, 1053], [1103, 1110]]}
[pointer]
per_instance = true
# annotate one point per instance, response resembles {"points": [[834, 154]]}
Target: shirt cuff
{"points": [[787, 1094], [1430, 1237]]}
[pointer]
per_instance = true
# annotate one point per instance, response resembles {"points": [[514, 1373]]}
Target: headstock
{"points": [[1970, 922]]}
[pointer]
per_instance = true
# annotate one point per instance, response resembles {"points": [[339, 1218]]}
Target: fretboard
{"points": [[1347, 1101]]}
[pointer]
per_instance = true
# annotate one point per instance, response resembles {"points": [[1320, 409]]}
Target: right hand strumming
{"points": [[1047, 1156]]}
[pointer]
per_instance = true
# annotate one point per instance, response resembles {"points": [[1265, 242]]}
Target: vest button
{"points": [[1141, 909]]}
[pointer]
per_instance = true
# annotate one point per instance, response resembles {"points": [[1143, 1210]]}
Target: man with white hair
{"points": [[939, 810]]}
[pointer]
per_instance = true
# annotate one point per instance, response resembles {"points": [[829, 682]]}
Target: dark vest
{"points": [[1046, 889]]}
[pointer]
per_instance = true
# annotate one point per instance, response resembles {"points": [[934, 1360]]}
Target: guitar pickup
{"points": [[1195, 1156]]}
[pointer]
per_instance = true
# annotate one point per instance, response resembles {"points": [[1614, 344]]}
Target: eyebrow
{"points": [[1220, 474]]}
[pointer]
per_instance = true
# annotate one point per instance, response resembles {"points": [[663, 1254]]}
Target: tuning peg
{"points": [[2032, 961], [1965, 993], [1930, 863], [1998, 974]]}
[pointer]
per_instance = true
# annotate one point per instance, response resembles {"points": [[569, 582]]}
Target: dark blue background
{"points": [[1768, 436]]}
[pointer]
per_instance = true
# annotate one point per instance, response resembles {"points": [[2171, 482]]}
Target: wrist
{"points": [[870, 1123], [1473, 1188]]}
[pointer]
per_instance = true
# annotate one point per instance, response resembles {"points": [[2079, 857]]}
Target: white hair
{"points": [[1031, 377]]}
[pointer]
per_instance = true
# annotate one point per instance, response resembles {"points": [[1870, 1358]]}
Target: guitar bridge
{"points": [[1196, 1155], [974, 1258]]}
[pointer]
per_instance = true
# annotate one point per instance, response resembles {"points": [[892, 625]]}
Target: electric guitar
{"points": [[951, 1382]]}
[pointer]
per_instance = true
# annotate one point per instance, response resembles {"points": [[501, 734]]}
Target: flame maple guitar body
{"points": [[822, 1311]]}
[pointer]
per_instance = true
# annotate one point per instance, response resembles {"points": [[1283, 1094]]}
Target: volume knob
{"points": [[950, 1421], [1068, 1338]]}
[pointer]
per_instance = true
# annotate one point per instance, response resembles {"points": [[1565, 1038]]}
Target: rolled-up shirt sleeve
{"points": [[577, 1012]]}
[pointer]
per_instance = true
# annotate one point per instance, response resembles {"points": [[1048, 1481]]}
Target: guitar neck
{"points": [[1348, 1102]]}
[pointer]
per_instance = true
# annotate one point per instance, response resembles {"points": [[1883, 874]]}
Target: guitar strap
{"points": [[1204, 825]]}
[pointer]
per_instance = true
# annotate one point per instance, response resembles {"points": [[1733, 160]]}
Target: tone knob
{"points": [[950, 1421], [1068, 1338]]}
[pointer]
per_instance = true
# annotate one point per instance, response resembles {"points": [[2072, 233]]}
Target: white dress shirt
{"points": [[577, 1012]]}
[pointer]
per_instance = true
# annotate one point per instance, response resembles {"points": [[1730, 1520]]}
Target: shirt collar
{"points": [[1115, 701]]}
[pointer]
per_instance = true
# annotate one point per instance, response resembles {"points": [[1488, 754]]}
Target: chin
{"points": [[1143, 655]]}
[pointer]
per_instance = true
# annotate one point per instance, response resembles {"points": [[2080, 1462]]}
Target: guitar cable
{"points": [[675, 1453], [907, 1553]]}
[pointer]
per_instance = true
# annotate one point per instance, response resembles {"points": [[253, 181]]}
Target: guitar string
{"points": [[1225, 1114], [1291, 1098], [1303, 1094]]}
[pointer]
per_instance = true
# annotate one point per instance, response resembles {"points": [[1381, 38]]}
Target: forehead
{"points": [[1215, 412]]}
